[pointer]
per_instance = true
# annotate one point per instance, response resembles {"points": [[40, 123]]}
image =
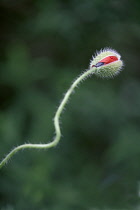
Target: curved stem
{"points": [[56, 121]]}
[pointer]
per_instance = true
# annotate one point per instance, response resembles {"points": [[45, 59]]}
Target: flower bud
{"points": [[106, 63]]}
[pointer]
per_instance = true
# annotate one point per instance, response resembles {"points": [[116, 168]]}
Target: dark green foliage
{"points": [[44, 46]]}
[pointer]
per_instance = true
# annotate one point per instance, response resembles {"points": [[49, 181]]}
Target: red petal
{"points": [[109, 59]]}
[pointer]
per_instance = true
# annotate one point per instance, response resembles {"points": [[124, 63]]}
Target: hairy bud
{"points": [[106, 63]]}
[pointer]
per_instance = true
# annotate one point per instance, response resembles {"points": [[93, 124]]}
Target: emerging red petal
{"points": [[109, 59]]}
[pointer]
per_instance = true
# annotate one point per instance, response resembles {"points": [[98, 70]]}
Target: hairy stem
{"points": [[56, 121]]}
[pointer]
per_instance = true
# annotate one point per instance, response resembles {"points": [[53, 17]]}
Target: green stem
{"points": [[56, 121]]}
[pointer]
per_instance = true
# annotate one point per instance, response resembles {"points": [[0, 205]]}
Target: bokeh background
{"points": [[44, 46]]}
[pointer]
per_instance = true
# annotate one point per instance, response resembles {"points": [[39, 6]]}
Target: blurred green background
{"points": [[44, 46]]}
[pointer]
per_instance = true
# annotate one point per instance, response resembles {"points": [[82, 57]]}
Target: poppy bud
{"points": [[107, 63]]}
